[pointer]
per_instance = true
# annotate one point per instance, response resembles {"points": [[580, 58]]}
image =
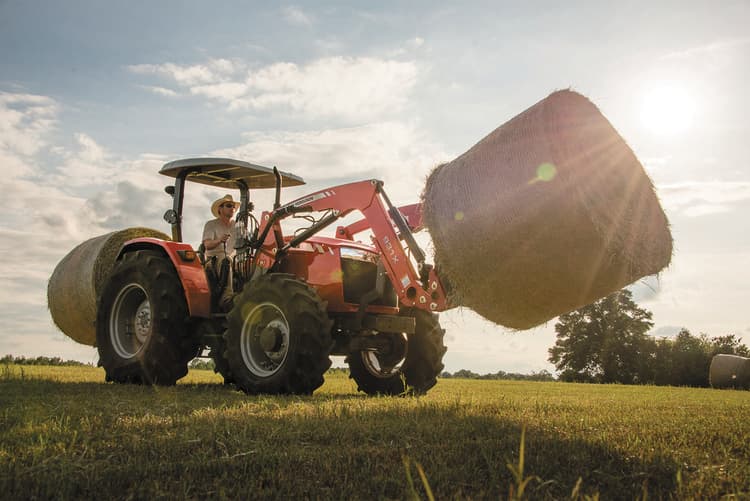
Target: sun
{"points": [[667, 109]]}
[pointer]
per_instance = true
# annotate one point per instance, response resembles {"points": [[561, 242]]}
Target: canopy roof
{"points": [[226, 173]]}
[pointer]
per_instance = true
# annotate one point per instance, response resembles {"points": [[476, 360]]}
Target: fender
{"points": [[189, 270]]}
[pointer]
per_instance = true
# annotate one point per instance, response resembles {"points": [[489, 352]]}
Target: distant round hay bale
{"points": [[729, 371], [74, 287], [550, 212]]}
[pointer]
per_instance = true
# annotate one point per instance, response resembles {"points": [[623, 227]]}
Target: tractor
{"points": [[299, 298]]}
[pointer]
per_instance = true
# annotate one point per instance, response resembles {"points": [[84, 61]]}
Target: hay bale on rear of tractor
{"points": [[74, 287], [548, 213], [729, 371]]}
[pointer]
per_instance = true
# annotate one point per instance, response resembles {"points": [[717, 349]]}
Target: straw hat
{"points": [[222, 200]]}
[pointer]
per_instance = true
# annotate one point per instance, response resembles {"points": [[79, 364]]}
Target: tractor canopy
{"points": [[227, 173]]}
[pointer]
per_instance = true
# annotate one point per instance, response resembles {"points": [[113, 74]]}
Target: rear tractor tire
{"points": [[278, 337], [221, 365], [142, 325], [410, 364]]}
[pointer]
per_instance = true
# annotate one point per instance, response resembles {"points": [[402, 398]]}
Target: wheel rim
{"points": [[264, 342], [130, 321], [386, 364]]}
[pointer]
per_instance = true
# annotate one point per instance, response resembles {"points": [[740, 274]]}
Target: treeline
{"points": [[10, 359], [682, 361], [208, 364], [608, 342], [467, 374], [203, 365], [685, 360]]}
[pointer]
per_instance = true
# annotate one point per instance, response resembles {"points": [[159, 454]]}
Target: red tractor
{"points": [[299, 298]]}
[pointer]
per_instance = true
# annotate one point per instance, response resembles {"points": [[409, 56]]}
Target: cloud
{"points": [[55, 197], [695, 199], [416, 42], [361, 88], [710, 50], [127, 205], [160, 91], [705, 290], [224, 91], [337, 86], [87, 165], [212, 71], [296, 16], [26, 124], [706, 210], [409, 46], [25, 120], [53, 192], [398, 153]]}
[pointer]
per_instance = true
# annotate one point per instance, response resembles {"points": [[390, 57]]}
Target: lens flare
{"points": [[545, 172]]}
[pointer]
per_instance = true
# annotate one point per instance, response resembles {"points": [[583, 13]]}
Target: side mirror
{"points": [[171, 216]]}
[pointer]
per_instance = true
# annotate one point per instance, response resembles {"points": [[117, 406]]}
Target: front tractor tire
{"points": [[142, 322], [278, 337], [409, 365]]}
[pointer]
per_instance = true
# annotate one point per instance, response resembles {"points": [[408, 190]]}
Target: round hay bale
{"points": [[729, 371], [74, 287], [550, 212]]}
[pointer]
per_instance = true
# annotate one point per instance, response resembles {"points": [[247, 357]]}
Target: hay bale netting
{"points": [[549, 212], [729, 371], [74, 287]]}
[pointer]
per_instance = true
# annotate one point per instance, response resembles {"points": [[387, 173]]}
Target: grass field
{"points": [[66, 434]]}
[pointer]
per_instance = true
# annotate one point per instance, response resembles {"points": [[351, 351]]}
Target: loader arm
{"points": [[412, 214], [415, 286]]}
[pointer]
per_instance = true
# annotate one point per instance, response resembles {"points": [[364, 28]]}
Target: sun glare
{"points": [[667, 109]]}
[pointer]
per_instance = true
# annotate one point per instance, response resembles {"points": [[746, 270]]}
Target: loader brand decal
{"points": [[316, 196], [390, 249]]}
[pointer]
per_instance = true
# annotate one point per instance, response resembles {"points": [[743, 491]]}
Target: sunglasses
{"points": [[228, 206]]}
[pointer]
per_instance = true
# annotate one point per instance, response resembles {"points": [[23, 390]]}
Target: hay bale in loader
{"points": [[729, 371], [550, 212], [74, 287]]}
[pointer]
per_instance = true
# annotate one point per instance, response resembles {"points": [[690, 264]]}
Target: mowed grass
{"points": [[64, 433]]}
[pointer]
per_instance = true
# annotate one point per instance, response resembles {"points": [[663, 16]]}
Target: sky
{"points": [[96, 96]]}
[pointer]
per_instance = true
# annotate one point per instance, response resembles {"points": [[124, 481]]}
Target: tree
{"points": [[605, 342], [690, 359], [728, 345]]}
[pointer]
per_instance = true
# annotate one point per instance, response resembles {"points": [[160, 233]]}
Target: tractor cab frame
{"points": [[221, 173]]}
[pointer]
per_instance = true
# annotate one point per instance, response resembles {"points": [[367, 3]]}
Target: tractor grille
{"points": [[359, 279]]}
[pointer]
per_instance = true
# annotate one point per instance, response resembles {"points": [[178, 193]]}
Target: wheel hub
{"points": [[143, 322], [270, 338]]}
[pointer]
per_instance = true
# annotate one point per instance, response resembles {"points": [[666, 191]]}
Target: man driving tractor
{"points": [[219, 239]]}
